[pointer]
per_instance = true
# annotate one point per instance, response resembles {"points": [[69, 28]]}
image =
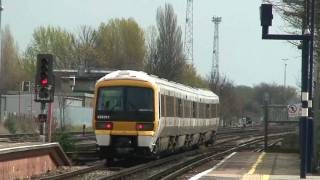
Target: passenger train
{"points": [[140, 114]]}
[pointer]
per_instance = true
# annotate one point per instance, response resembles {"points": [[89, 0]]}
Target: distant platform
{"points": [[24, 160], [256, 166]]}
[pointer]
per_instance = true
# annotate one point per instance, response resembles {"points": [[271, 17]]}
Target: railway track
{"points": [[168, 167], [175, 167]]}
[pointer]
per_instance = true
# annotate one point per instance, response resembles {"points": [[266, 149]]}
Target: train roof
{"points": [[159, 82]]}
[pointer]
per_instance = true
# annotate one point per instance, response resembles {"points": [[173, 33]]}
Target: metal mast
{"points": [[215, 57], [188, 38], [1, 8]]}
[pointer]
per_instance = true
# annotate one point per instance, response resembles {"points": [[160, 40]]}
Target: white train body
{"points": [[180, 116]]}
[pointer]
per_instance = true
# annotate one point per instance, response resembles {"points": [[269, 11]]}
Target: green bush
{"points": [[10, 124], [65, 140]]}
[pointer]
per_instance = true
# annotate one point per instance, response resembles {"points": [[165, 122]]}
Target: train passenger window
{"points": [[214, 110], [199, 110], [194, 109], [211, 110], [186, 109], [179, 107], [190, 109], [217, 110], [207, 110], [162, 105], [170, 106], [202, 111]]}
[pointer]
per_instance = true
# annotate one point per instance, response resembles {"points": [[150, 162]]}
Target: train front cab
{"points": [[125, 117]]}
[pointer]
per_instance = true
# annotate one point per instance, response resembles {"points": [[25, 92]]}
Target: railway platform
{"points": [[256, 166], [24, 160]]}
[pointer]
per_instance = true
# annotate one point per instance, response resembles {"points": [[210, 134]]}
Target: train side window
{"points": [[170, 106], [162, 106], [207, 110], [217, 110], [203, 110], [175, 109], [179, 107], [194, 109], [200, 110], [211, 110], [214, 110], [190, 109], [186, 109]]}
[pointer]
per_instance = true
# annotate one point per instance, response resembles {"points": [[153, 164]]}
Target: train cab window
{"points": [[126, 103], [139, 99], [111, 99]]}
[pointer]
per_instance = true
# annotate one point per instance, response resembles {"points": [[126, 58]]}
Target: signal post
{"points": [[44, 89], [306, 38]]}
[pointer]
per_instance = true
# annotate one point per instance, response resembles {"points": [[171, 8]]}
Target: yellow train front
{"points": [[136, 114]]}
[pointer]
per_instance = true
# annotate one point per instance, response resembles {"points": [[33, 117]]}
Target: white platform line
{"points": [[198, 176], [26, 146]]}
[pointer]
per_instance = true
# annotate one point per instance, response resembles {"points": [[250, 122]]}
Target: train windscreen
{"points": [[125, 103]]}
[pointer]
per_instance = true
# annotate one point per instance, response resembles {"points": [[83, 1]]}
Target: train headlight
{"points": [[144, 126], [109, 126], [140, 127]]}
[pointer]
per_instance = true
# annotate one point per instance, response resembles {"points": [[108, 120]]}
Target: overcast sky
{"points": [[245, 58]]}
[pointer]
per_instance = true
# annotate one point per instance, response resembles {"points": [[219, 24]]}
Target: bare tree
{"points": [[230, 105], [167, 61], [9, 78], [85, 47], [151, 49]]}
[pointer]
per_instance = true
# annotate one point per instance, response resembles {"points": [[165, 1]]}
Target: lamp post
{"points": [[285, 72], [1, 9]]}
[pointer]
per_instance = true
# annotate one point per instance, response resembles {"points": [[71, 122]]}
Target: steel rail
{"points": [[204, 156], [179, 169], [75, 172]]}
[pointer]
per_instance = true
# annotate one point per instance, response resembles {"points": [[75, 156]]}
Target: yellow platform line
{"points": [[253, 169]]}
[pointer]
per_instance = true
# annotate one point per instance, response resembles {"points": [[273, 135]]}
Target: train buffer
{"points": [[256, 165]]}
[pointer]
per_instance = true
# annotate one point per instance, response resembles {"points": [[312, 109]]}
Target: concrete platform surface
{"points": [[255, 166], [4, 145], [25, 160]]}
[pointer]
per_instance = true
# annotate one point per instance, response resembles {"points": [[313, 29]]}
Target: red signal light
{"points": [[140, 126], [44, 82], [109, 126]]}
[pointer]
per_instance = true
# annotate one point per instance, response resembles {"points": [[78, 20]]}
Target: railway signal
{"points": [[44, 80], [44, 90]]}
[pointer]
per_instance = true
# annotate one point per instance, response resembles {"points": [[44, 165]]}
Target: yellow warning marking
{"points": [[265, 177], [253, 168]]}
